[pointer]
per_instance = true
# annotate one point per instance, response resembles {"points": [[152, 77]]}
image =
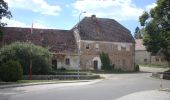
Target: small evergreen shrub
{"points": [[11, 71], [136, 68]]}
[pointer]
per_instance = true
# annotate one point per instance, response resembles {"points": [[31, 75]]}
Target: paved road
{"points": [[115, 86]]}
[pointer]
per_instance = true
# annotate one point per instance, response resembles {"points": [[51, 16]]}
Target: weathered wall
{"points": [[142, 57], [61, 61], [123, 58], [145, 57]]}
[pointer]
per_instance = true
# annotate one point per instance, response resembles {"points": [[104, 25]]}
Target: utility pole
{"points": [[79, 45]]}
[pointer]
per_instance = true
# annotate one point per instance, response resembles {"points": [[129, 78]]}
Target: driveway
{"points": [[113, 87]]}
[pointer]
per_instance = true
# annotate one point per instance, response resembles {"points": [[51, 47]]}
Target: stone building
{"points": [[142, 56], [95, 35], [83, 43]]}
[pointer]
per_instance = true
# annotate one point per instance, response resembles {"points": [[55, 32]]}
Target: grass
{"points": [[154, 66]]}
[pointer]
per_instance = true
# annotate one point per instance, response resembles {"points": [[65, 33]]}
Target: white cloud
{"points": [[117, 9], [15, 23], [39, 6], [149, 7]]}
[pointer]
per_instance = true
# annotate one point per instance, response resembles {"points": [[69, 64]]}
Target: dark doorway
{"points": [[95, 64], [54, 63]]}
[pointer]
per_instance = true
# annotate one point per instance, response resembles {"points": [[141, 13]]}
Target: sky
{"points": [[64, 14]]}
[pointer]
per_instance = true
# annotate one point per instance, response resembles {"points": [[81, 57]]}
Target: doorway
{"points": [[54, 64], [95, 64]]}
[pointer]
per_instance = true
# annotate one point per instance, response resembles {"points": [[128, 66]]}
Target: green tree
{"points": [[25, 53], [143, 18], [4, 13], [137, 33], [157, 28]]}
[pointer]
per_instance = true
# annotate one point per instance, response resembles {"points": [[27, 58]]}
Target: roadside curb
{"points": [[41, 83]]}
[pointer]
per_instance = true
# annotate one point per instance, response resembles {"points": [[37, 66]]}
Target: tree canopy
{"points": [[24, 53], [4, 12], [138, 33], [157, 28]]}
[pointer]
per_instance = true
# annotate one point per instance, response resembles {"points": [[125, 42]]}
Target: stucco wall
{"points": [[61, 61], [142, 57]]}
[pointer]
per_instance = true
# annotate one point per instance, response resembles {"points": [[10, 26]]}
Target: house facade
{"points": [[81, 46], [142, 56]]}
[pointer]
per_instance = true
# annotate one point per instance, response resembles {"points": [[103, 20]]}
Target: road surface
{"points": [[113, 87]]}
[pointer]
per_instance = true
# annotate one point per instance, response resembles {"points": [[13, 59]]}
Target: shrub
{"points": [[11, 71], [24, 53], [106, 62], [136, 68], [62, 69]]}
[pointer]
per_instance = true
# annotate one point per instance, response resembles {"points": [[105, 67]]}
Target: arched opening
{"points": [[96, 63]]}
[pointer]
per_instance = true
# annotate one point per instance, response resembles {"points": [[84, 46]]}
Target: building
{"points": [[83, 43], [142, 56]]}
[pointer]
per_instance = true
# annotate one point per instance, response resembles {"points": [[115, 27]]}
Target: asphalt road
{"points": [[113, 87]]}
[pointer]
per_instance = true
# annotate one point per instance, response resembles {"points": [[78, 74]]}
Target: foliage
{"points": [[157, 28], [24, 53], [137, 33], [136, 68], [143, 18], [4, 13], [11, 71], [106, 62]]}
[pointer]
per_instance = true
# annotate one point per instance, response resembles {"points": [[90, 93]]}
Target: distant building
{"points": [[142, 56], [92, 35]]}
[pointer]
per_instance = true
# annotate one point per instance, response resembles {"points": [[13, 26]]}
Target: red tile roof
{"points": [[56, 40]]}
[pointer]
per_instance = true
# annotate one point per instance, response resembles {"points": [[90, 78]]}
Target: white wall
{"points": [[73, 62]]}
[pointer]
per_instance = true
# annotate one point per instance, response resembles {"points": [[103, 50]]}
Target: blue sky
{"points": [[64, 14]]}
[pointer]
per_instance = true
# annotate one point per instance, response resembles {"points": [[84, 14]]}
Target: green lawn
{"points": [[154, 66]]}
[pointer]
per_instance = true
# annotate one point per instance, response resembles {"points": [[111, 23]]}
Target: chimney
{"points": [[93, 17]]}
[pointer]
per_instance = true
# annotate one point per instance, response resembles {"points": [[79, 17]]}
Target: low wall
{"points": [[61, 77]]}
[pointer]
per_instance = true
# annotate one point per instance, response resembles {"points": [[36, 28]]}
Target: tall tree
{"points": [[157, 28], [137, 33], [4, 13]]}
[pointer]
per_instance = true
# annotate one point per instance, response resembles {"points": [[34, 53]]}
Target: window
{"points": [[157, 59], [67, 61], [97, 47], [145, 60], [162, 60], [123, 62], [110, 46], [127, 48], [87, 46], [119, 47]]}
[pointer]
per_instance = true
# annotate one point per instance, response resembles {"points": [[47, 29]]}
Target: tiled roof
{"points": [[139, 45], [56, 40], [103, 29]]}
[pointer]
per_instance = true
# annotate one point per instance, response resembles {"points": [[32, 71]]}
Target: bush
{"points": [[136, 68], [106, 62], [24, 53], [11, 71], [62, 69]]}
